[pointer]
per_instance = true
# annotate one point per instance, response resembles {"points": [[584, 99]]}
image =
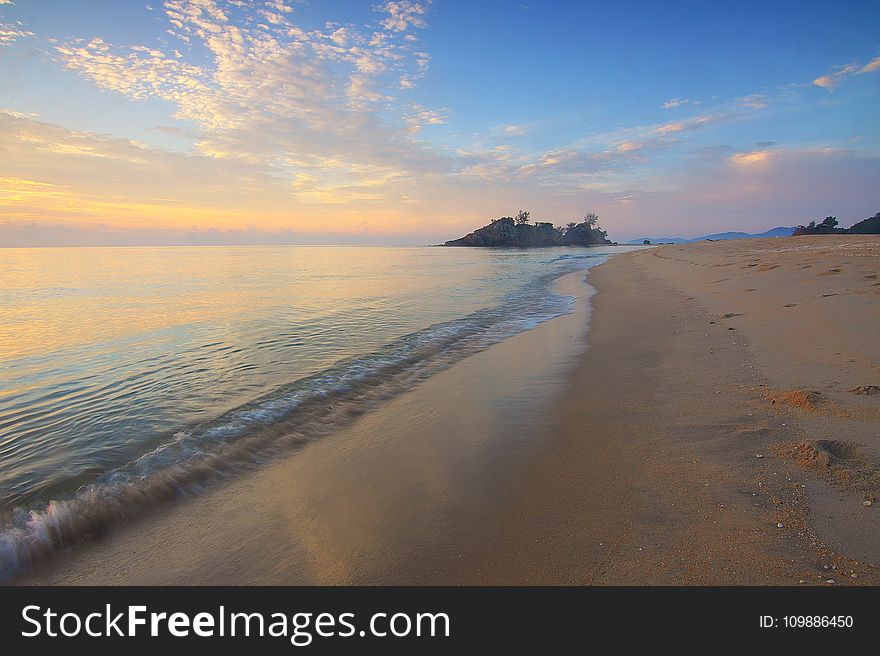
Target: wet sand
{"points": [[702, 431]]}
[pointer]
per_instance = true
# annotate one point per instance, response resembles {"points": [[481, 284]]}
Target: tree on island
{"points": [[517, 231], [827, 227]]}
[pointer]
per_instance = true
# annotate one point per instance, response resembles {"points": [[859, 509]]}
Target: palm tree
{"points": [[570, 225], [591, 219], [522, 217]]}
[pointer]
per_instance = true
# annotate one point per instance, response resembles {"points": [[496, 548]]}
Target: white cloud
{"points": [[420, 116], [279, 6], [268, 93], [12, 32], [404, 14], [675, 102]]}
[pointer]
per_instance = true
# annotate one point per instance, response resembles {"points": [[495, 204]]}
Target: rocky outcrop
{"points": [[583, 235], [505, 232]]}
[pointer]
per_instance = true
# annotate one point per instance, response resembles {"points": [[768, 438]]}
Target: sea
{"points": [[136, 377]]}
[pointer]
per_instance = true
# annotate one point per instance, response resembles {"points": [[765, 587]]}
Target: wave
{"points": [[572, 256], [279, 422]]}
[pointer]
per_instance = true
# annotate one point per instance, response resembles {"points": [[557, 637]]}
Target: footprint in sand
{"points": [[732, 314], [830, 272], [827, 295], [845, 463], [871, 276], [790, 305], [768, 267]]}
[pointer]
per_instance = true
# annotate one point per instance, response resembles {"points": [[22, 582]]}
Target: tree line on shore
{"points": [[828, 226]]}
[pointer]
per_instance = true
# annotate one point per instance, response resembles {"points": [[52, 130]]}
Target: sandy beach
{"points": [[708, 417], [731, 440]]}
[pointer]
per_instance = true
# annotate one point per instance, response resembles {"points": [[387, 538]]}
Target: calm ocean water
{"points": [[133, 376]]}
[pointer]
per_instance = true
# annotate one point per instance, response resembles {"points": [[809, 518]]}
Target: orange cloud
{"points": [[833, 80], [753, 157]]}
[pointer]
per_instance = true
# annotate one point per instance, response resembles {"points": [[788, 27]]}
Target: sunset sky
{"points": [[285, 121]]}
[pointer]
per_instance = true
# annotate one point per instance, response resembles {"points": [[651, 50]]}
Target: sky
{"points": [[416, 121]]}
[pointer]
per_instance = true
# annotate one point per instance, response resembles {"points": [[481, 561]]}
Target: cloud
{"points": [[422, 116], [753, 101], [631, 146], [68, 187], [52, 172], [303, 74], [831, 81], [675, 102], [12, 32], [606, 160], [565, 169], [291, 128], [404, 14], [53, 175], [323, 95], [704, 120], [749, 191], [669, 128], [752, 157], [280, 6]]}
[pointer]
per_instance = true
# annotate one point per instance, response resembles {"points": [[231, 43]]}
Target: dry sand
{"points": [[674, 458], [707, 436]]}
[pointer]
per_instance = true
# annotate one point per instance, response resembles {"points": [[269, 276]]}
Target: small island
{"points": [[519, 232]]}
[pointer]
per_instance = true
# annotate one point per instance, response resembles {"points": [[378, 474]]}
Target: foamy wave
{"points": [[277, 423], [571, 256]]}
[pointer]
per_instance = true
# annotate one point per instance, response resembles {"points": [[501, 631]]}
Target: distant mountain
{"points": [[773, 232]]}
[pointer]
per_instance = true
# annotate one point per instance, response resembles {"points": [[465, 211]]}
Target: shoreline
{"points": [[418, 476], [661, 458]]}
